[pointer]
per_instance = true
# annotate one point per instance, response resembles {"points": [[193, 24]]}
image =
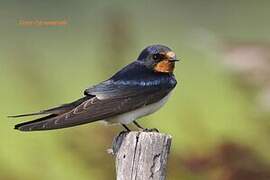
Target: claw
{"points": [[150, 130]]}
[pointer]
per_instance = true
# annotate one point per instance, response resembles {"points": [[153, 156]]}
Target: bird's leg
{"points": [[138, 125], [127, 129], [145, 129]]}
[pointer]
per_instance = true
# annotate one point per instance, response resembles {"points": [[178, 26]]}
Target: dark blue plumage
{"points": [[135, 76]]}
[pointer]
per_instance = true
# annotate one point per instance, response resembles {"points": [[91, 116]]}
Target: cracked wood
{"points": [[141, 155]]}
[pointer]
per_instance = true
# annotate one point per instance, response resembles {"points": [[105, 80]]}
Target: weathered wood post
{"points": [[141, 155]]}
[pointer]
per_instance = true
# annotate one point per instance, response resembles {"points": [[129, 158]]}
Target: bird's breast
{"points": [[131, 116]]}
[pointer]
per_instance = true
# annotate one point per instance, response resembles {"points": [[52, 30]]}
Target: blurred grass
{"points": [[42, 67]]}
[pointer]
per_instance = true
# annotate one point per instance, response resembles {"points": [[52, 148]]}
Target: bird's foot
{"points": [[145, 129], [150, 130]]}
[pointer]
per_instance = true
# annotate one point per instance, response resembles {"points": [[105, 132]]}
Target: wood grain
{"points": [[141, 155]]}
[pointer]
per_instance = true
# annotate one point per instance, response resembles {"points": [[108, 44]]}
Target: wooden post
{"points": [[141, 155]]}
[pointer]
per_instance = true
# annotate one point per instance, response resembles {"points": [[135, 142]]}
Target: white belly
{"points": [[131, 116]]}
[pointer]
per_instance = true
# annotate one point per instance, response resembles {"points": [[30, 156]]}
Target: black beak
{"points": [[174, 60]]}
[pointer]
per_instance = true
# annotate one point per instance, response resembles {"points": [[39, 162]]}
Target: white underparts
{"points": [[131, 116]]}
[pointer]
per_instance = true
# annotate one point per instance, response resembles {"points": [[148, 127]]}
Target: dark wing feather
{"points": [[95, 109]]}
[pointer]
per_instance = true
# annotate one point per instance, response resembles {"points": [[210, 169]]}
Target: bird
{"points": [[139, 89]]}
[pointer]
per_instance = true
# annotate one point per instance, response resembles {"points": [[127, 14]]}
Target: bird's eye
{"points": [[157, 56]]}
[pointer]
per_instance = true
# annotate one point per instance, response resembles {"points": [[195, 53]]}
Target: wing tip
{"points": [[19, 127], [32, 125], [24, 115]]}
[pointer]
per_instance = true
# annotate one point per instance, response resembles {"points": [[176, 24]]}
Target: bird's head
{"points": [[158, 58]]}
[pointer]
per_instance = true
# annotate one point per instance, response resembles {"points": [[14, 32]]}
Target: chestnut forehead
{"points": [[170, 54]]}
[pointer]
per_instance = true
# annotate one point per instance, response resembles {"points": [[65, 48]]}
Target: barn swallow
{"points": [[139, 89]]}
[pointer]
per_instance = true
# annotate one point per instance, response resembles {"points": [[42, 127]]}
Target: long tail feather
{"points": [[21, 125], [24, 115], [56, 110], [50, 114]]}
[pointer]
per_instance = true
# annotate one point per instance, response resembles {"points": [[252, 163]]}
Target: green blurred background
{"points": [[218, 114]]}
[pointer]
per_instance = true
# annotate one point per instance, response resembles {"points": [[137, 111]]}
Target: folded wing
{"points": [[100, 105]]}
